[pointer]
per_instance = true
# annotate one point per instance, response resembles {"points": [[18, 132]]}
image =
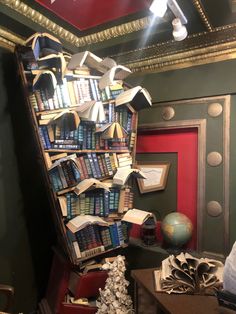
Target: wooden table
{"points": [[147, 301]]}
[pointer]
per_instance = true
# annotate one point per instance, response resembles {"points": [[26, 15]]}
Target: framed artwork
{"points": [[156, 173]]}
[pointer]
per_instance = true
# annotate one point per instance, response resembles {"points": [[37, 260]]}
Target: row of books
{"points": [[70, 94], [95, 239], [97, 202], [90, 165]]}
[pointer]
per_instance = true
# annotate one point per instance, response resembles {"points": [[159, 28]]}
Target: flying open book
{"points": [[92, 111], [118, 72], [87, 184], [82, 221], [136, 216], [43, 44], [89, 59], [138, 97], [71, 117], [123, 174], [112, 130], [187, 274], [45, 80]]}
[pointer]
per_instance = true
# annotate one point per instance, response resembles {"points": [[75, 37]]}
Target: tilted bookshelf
{"points": [[83, 137]]}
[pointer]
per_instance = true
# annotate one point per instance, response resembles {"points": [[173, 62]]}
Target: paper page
{"points": [[79, 222], [153, 176], [126, 96], [136, 216], [87, 57], [157, 280], [118, 72], [88, 183]]}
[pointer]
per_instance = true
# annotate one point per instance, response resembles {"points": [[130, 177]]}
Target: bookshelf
{"points": [[73, 150]]}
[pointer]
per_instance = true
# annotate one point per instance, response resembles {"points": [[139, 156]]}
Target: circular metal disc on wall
{"points": [[168, 113], [214, 159], [214, 110], [214, 208]]}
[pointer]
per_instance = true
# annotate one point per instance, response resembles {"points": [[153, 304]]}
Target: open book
{"points": [[71, 117], [187, 274], [87, 184], [136, 216], [87, 58], [124, 173], [43, 44], [112, 130], [82, 221], [118, 72], [92, 111], [45, 80], [137, 97]]}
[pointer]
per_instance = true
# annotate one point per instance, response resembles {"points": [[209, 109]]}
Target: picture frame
{"points": [[156, 173]]}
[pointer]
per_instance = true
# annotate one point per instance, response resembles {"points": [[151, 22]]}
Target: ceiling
{"points": [[126, 30]]}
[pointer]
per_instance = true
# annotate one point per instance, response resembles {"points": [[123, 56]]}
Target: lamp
{"points": [[179, 30], [159, 7]]}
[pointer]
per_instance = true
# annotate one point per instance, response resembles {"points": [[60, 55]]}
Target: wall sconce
{"points": [[179, 30], [159, 8]]}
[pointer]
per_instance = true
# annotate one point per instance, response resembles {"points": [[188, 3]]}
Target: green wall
{"points": [[201, 81], [26, 231]]}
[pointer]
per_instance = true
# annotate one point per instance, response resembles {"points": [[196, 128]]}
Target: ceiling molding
{"points": [[8, 39], [202, 48], [199, 7], [109, 33]]}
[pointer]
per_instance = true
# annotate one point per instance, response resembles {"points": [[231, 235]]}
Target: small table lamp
{"points": [[148, 231]]}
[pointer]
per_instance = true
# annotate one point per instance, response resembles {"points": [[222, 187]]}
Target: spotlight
{"points": [[179, 30], [158, 7]]}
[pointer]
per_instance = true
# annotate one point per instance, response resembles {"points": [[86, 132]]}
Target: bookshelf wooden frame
{"points": [[44, 155]]}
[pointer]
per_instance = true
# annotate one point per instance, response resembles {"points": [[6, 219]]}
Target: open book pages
{"points": [[58, 161], [89, 59], [45, 80], [138, 97], [92, 111], [123, 174], [88, 184], [43, 44], [187, 274], [82, 221], [71, 117], [118, 72], [136, 216], [54, 61], [112, 130]]}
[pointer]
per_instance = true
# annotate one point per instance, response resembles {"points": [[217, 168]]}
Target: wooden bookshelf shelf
{"points": [[76, 179]]}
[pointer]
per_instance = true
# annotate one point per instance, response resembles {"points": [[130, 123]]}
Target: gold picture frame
{"points": [[156, 173]]}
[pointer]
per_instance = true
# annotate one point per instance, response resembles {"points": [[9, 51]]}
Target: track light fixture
{"points": [[159, 8]]}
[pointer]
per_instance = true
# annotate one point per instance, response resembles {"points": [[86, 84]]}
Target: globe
{"points": [[176, 229]]}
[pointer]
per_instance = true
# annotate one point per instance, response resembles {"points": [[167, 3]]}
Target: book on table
{"points": [[185, 273], [136, 216], [138, 97], [123, 174]]}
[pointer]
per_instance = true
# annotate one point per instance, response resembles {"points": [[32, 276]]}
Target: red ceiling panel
{"points": [[85, 14]]}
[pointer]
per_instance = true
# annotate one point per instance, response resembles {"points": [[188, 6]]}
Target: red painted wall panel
{"points": [[184, 142]]}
